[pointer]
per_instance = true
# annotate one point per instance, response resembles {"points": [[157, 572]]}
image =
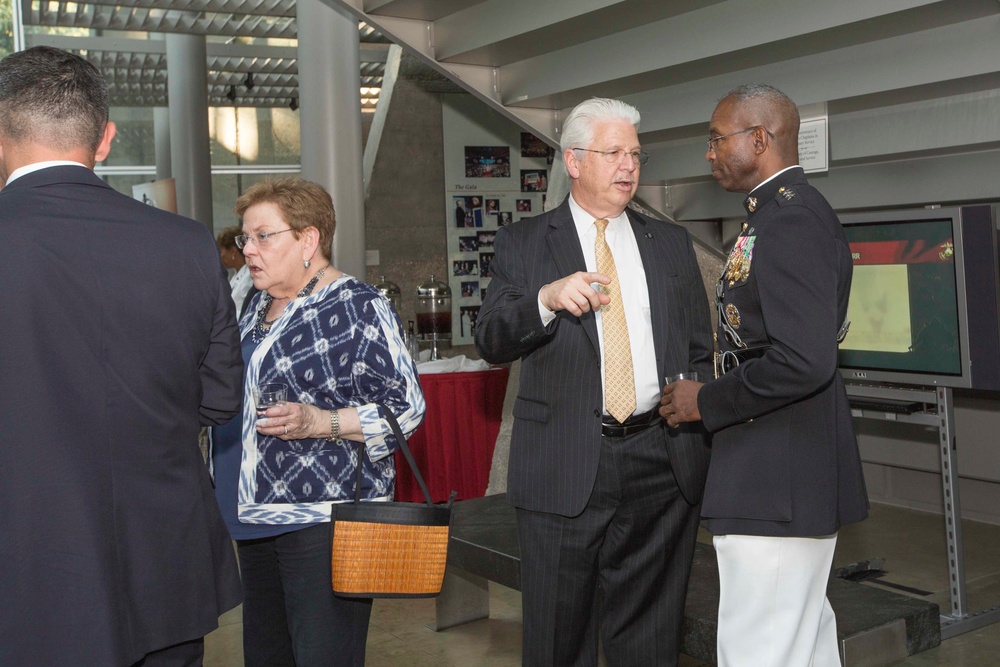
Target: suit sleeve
{"points": [[221, 370], [700, 347], [509, 324], [796, 267]]}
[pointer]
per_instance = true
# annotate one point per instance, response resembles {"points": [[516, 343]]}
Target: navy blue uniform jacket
{"points": [[785, 458]]}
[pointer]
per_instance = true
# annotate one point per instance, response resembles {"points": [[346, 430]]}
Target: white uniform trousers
{"points": [[773, 610]]}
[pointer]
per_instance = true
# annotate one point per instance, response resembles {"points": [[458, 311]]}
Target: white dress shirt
{"points": [[635, 293], [240, 283], [28, 168]]}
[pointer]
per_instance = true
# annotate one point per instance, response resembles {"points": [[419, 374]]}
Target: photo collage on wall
{"points": [[507, 184]]}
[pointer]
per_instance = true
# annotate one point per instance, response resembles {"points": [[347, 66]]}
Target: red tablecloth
{"points": [[454, 445]]}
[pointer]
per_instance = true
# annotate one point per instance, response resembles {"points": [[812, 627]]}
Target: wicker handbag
{"points": [[389, 549]]}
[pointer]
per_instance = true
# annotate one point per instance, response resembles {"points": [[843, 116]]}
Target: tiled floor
{"points": [[911, 543]]}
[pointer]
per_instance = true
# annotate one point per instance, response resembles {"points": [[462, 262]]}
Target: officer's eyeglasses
{"points": [[712, 141]]}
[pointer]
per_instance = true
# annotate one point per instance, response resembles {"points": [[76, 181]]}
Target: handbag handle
{"points": [[401, 439]]}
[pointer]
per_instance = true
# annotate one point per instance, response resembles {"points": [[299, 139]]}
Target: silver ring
{"points": [[286, 429]]}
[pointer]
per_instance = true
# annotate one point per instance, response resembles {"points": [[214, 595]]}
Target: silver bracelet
{"points": [[334, 426]]}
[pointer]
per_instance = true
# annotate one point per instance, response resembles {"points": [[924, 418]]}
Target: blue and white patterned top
{"points": [[338, 347]]}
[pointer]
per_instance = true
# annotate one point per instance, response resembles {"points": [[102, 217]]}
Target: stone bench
{"points": [[875, 627]]}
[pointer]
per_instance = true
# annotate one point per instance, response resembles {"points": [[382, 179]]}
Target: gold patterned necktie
{"points": [[619, 380]]}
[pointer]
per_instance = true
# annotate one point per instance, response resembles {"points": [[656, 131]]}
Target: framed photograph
{"points": [[523, 205], [487, 161], [504, 218], [485, 258], [534, 180], [465, 267], [470, 288], [464, 213], [468, 244], [485, 239], [492, 206], [467, 319], [532, 146]]}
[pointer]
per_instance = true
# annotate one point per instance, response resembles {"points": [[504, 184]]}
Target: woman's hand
{"points": [[298, 421], [294, 421]]}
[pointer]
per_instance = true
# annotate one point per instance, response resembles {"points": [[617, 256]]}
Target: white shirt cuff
{"points": [[546, 314]]}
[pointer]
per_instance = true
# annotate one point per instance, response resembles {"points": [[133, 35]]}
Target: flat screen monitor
{"points": [[923, 304]]}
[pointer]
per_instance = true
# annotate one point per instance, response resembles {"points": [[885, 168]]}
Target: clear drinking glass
{"points": [[269, 395], [688, 375]]}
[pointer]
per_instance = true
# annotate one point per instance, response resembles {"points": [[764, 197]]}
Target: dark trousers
{"points": [[633, 543], [290, 615], [188, 654]]}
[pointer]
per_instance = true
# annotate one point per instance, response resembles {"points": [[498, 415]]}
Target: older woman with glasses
{"points": [[334, 343]]}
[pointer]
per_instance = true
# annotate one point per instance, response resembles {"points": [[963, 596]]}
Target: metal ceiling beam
{"points": [[476, 79], [618, 63], [98, 17], [424, 10], [500, 32], [962, 51], [235, 7], [370, 52], [132, 65]]}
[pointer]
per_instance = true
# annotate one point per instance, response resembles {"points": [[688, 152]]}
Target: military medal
{"points": [[738, 266], [786, 193], [752, 204], [733, 315]]}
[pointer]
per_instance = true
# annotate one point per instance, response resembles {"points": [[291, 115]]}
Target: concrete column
{"points": [[161, 141], [330, 122], [190, 157]]}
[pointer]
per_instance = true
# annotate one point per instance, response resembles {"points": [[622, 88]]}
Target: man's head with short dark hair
{"points": [[52, 98], [753, 134], [769, 107]]}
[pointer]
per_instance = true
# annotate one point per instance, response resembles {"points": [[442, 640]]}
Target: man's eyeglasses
{"points": [[713, 140], [260, 240], [618, 156]]}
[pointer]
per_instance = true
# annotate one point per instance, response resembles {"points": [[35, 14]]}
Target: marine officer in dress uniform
{"points": [[785, 473]]}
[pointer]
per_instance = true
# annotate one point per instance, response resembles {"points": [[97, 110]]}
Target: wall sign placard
{"points": [[814, 142]]}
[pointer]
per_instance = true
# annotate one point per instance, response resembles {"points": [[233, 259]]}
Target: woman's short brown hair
{"points": [[302, 203]]}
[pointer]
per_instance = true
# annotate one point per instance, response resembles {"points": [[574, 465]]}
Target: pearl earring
{"points": [[306, 263]]}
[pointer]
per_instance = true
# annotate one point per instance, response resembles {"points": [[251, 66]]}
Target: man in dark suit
{"points": [[600, 303], [785, 471], [119, 340]]}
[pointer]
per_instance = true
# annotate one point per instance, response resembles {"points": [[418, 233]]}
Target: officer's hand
{"points": [[679, 402]]}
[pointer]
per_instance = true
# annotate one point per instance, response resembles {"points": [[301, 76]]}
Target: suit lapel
{"points": [[658, 265], [564, 246]]}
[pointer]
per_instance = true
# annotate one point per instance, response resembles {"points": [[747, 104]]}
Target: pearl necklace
{"points": [[261, 327]]}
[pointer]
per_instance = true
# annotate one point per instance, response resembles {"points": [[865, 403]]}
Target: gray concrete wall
{"points": [[404, 208]]}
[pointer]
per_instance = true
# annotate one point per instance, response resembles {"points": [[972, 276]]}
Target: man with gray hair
{"points": [[600, 303], [120, 339]]}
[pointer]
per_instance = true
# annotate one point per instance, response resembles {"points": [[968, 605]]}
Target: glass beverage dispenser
{"points": [[390, 291], [434, 313]]}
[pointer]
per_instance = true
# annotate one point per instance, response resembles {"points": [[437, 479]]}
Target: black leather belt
{"points": [[612, 428]]}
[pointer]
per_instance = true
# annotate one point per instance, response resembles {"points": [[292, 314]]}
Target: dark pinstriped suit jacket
{"points": [[556, 439]]}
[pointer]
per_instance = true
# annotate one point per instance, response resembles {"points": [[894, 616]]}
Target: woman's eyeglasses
{"points": [[260, 240]]}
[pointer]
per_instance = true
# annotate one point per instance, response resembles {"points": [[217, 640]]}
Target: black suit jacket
{"points": [[556, 438], [119, 340], [785, 459]]}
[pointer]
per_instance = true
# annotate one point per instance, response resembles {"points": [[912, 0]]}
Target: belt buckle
{"points": [[725, 362]]}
